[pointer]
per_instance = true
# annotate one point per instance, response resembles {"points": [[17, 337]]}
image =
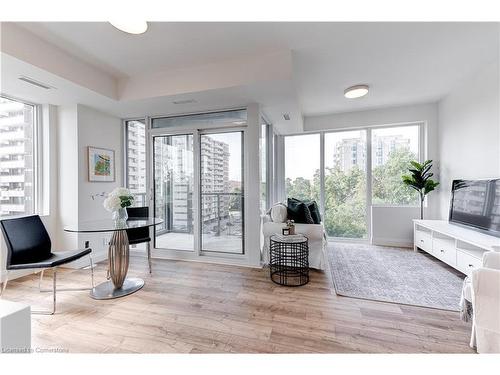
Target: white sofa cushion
{"points": [[279, 213]]}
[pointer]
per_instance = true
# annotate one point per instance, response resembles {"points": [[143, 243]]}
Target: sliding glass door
{"points": [[196, 181], [221, 177], [173, 191]]}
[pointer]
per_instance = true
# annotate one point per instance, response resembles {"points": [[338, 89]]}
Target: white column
{"points": [[252, 185]]}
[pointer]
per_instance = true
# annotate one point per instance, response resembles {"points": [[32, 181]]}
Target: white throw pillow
{"points": [[279, 213]]}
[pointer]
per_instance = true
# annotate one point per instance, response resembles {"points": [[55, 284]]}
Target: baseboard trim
{"points": [[380, 241], [162, 254]]}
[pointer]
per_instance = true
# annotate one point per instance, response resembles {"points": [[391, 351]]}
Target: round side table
{"points": [[289, 260]]}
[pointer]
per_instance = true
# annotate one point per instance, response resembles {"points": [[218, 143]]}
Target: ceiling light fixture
{"points": [[131, 27], [357, 91]]}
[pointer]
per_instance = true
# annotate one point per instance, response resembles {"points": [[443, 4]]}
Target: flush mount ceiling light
{"points": [[131, 27], [357, 91]]}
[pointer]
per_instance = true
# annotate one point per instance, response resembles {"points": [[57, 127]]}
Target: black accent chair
{"points": [[139, 235], [29, 247]]}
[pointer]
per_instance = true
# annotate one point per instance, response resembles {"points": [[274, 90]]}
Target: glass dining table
{"points": [[118, 284]]}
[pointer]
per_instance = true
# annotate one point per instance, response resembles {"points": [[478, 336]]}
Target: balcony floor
{"points": [[184, 241]]}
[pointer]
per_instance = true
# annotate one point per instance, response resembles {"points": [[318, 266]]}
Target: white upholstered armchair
{"points": [[485, 295], [315, 234]]}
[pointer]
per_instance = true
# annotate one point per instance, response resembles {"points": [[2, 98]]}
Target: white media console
{"points": [[457, 246]]}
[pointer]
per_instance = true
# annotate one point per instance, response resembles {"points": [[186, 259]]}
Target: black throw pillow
{"points": [[312, 207], [298, 212]]}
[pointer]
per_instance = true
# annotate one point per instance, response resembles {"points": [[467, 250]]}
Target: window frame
{"points": [[422, 155], [38, 206], [269, 151]]}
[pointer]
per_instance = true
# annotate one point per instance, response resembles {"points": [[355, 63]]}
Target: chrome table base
{"points": [[118, 260], [107, 290]]}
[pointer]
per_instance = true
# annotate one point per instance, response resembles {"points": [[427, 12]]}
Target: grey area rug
{"points": [[392, 274]]}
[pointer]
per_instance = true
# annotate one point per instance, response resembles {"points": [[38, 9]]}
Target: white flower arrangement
{"points": [[120, 197]]}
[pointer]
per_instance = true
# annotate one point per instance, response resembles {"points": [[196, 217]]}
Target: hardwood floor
{"points": [[188, 307]]}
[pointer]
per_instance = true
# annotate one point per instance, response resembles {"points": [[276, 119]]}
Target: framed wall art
{"points": [[101, 164]]}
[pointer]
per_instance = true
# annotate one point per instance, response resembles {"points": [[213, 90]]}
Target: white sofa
{"points": [[483, 290], [315, 234]]}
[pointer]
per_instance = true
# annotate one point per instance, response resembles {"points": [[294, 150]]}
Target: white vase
{"points": [[120, 215]]}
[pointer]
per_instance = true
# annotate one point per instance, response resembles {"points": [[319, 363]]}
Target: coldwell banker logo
{"points": [[33, 350]]}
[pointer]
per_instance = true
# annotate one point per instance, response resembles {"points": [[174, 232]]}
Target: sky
{"points": [[302, 152]]}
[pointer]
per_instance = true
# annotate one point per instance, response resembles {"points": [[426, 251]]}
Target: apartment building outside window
{"points": [[136, 160], [17, 158]]}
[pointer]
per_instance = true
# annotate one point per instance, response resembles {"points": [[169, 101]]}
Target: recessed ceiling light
{"points": [[356, 91], [131, 27]]}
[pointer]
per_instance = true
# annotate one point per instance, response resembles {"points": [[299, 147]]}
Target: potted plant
{"points": [[420, 180]]}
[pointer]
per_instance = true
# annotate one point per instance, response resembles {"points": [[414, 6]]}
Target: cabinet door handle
{"points": [[421, 240], [471, 265], [442, 251]]}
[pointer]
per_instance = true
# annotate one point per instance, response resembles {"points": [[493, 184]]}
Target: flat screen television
{"points": [[476, 205]]}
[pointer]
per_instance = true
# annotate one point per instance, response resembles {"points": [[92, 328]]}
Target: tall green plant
{"points": [[420, 180]]}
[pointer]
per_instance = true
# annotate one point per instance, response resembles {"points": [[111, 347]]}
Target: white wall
{"points": [[393, 226], [104, 131], [469, 132], [78, 127], [67, 156]]}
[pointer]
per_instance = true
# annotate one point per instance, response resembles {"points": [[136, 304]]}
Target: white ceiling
{"points": [[403, 63]]}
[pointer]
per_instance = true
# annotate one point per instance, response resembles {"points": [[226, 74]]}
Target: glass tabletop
{"points": [[109, 225]]}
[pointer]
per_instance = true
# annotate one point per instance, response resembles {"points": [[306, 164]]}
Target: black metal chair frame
{"points": [[140, 213], [20, 266]]}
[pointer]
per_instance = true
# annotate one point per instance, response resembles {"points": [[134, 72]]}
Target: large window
{"points": [[345, 184], [136, 160], [350, 173], [392, 150], [302, 164], [17, 158]]}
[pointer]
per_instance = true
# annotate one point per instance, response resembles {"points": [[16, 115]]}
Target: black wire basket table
{"points": [[289, 260]]}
